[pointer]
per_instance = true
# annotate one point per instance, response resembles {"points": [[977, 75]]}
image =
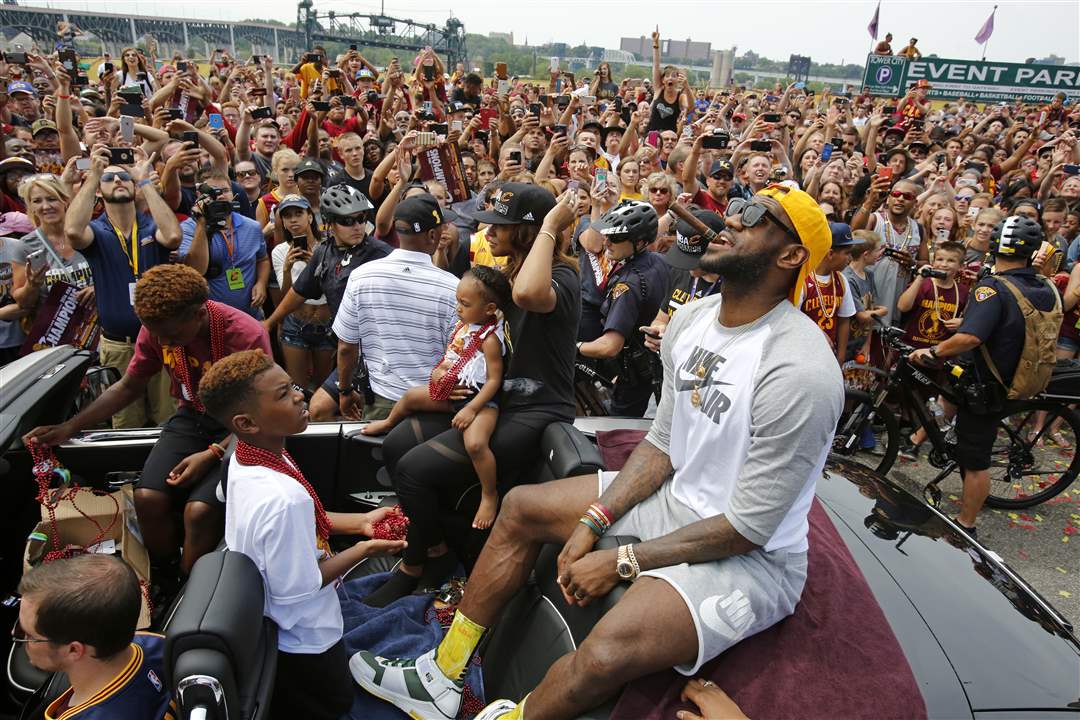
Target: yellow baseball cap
{"points": [[810, 225]]}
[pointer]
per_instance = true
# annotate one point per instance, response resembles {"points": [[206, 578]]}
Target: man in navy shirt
{"points": [[993, 319], [120, 245], [78, 616], [233, 261]]}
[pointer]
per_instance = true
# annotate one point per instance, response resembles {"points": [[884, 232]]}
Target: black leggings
{"points": [[430, 468]]}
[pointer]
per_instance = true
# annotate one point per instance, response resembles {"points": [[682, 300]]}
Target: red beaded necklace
{"points": [[250, 455], [441, 389], [217, 351]]}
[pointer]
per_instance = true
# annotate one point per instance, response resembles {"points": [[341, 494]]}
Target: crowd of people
{"points": [[218, 221]]}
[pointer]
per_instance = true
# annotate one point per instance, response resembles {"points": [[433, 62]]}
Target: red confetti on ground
{"points": [[1023, 554], [1071, 530], [1026, 517], [392, 527]]}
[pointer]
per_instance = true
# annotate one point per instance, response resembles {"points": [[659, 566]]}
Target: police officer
{"points": [[347, 214], [634, 292], [993, 319], [686, 282]]}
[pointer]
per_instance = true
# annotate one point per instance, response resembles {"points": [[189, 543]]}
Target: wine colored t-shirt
{"points": [[241, 332]]}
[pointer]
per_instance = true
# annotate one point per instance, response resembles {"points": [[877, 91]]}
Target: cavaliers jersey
{"points": [[138, 691], [822, 301]]}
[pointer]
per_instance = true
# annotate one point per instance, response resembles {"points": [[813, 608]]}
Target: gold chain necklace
{"points": [[700, 371]]}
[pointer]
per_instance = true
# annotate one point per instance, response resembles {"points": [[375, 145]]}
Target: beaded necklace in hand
{"points": [[441, 389], [217, 351], [250, 455]]}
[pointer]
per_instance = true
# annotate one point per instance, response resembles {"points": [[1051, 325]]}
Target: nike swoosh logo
{"points": [[682, 384]]}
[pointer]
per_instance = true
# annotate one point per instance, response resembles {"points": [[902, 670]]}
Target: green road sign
{"points": [[971, 79]]}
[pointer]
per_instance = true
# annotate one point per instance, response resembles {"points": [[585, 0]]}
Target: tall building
{"points": [[684, 50]]}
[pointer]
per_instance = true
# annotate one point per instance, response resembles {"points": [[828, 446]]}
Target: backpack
{"points": [[1038, 357]]}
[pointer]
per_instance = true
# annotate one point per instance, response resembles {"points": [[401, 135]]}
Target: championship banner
{"points": [[975, 80], [61, 320], [442, 163]]}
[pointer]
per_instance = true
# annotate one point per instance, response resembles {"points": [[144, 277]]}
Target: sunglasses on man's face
{"points": [[751, 214], [902, 194], [113, 176], [349, 221]]}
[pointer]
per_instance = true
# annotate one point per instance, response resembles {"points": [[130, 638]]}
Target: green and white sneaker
{"points": [[417, 687], [496, 710]]}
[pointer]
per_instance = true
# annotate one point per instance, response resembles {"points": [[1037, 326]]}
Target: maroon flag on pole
{"points": [[987, 29], [872, 28]]}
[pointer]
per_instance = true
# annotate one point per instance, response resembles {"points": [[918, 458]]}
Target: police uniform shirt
{"points": [[993, 316], [138, 691], [634, 294], [327, 273]]}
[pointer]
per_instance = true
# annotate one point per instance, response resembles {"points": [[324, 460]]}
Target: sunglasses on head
{"points": [[113, 176], [349, 221], [902, 194], [751, 214]]}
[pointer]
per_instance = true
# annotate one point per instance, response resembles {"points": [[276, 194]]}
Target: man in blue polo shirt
{"points": [[120, 245], [234, 259]]}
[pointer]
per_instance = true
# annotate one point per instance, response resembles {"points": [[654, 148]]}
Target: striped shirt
{"points": [[401, 310]]}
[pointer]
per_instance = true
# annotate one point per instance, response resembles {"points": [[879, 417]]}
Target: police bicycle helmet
{"points": [[629, 221], [341, 201], [1017, 236]]}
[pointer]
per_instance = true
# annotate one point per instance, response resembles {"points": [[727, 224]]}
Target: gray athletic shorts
{"points": [[729, 599]]}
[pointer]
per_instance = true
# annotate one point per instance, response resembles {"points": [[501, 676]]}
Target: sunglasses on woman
{"points": [[246, 173], [751, 214], [661, 190]]}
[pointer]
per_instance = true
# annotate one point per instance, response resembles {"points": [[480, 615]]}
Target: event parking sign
{"points": [[974, 80]]}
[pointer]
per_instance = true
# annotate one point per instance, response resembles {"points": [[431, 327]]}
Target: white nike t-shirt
{"points": [[270, 517], [747, 417]]}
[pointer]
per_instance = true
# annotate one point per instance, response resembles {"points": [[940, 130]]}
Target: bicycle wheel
{"points": [[862, 422], [1034, 456]]}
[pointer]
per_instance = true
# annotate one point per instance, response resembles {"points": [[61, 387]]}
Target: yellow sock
{"points": [[457, 647]]}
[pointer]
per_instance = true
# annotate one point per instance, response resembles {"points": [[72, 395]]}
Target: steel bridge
{"points": [[282, 43]]}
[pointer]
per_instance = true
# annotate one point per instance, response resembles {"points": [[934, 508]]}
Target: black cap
{"points": [[685, 253], [721, 167], [307, 165], [517, 204], [420, 212]]}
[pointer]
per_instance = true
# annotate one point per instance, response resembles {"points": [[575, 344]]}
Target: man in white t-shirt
{"points": [[718, 492], [399, 312]]}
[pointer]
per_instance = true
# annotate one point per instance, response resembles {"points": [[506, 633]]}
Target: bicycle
{"points": [[1024, 469]]}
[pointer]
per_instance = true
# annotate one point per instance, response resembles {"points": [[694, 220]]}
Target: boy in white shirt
{"points": [[274, 516]]}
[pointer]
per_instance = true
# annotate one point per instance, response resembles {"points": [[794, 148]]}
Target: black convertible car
{"points": [[978, 640]]}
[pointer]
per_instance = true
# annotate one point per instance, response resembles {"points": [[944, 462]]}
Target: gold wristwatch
{"points": [[627, 565]]}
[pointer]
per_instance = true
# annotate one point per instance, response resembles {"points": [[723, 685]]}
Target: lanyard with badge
{"points": [[233, 275], [132, 254]]}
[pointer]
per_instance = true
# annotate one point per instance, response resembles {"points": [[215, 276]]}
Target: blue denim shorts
{"points": [[1068, 344], [305, 336]]}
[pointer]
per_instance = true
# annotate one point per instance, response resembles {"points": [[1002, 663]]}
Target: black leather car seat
{"points": [[220, 651]]}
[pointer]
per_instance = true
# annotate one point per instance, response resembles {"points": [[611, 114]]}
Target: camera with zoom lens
{"points": [[932, 273], [216, 212]]}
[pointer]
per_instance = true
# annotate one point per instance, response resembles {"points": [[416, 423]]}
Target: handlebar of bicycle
{"points": [[891, 336]]}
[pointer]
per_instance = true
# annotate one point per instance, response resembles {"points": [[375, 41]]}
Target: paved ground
{"points": [[1041, 543]]}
